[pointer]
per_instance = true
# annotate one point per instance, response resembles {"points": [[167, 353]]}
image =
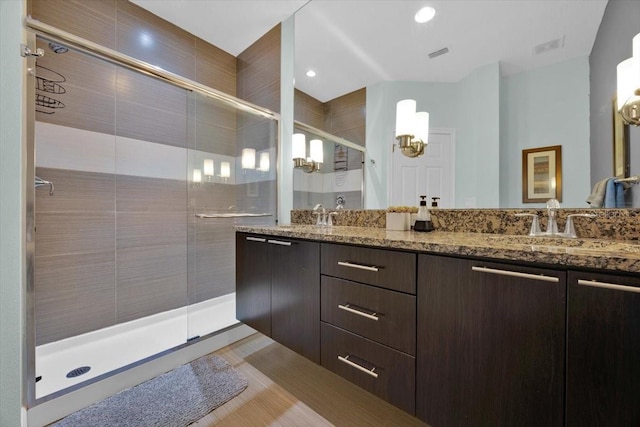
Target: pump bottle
{"points": [[423, 220]]}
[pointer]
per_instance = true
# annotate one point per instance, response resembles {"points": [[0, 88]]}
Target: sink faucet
{"points": [[552, 226], [321, 214], [552, 208]]}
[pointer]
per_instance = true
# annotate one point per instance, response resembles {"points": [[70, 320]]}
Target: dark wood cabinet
{"points": [[490, 344], [368, 317], [253, 282], [385, 316], [383, 371], [603, 350], [379, 267], [457, 341], [278, 290], [295, 295]]}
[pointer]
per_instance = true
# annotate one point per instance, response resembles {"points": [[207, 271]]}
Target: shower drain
{"points": [[78, 371]]}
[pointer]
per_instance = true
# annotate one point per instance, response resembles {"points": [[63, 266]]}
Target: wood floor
{"points": [[286, 389]]}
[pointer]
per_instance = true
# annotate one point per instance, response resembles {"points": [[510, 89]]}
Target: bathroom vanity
{"points": [[456, 328]]}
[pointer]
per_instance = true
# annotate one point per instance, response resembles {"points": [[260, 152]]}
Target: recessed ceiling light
{"points": [[425, 14], [311, 73]]}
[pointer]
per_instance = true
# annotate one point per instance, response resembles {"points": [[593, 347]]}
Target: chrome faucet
{"points": [[324, 218], [321, 213], [552, 226]]}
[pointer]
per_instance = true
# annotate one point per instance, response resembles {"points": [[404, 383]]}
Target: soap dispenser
{"points": [[423, 220]]}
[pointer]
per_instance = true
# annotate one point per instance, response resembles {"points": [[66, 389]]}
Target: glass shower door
{"points": [[110, 284], [232, 181]]}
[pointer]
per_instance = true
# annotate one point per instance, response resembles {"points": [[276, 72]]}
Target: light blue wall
{"points": [[547, 106], [436, 98], [495, 118], [478, 139], [469, 106], [12, 214]]}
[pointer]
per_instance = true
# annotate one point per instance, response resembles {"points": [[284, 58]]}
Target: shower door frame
{"points": [[52, 34]]}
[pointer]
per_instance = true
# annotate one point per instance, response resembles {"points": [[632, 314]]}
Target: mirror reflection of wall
{"points": [[340, 179], [496, 109], [612, 45]]}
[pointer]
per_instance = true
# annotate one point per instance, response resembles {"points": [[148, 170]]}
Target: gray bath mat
{"points": [[176, 398]]}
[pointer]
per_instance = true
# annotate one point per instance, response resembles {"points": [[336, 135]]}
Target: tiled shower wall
{"points": [[344, 117], [119, 240]]}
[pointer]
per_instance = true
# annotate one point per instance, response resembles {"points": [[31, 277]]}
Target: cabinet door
{"points": [[603, 350], [490, 344], [253, 282], [295, 295]]}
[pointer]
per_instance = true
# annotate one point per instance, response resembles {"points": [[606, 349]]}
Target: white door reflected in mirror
{"points": [[432, 175]]}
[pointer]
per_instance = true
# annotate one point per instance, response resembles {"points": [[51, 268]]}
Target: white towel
{"points": [[597, 194]]}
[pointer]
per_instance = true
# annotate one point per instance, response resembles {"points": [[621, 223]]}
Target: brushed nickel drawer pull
{"points": [[256, 239], [347, 307], [346, 360], [516, 274], [596, 284], [280, 242], [359, 266]]}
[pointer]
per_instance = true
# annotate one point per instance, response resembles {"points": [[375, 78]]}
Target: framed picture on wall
{"points": [[542, 174], [620, 143]]}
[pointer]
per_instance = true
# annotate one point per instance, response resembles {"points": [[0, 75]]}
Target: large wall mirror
{"points": [[554, 88]]}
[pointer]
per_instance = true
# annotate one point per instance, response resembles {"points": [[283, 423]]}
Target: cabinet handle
{"points": [[347, 307], [280, 242], [516, 274], [359, 266], [256, 239], [596, 284], [346, 360]]}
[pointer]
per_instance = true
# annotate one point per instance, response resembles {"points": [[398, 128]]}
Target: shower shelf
{"points": [[232, 215]]}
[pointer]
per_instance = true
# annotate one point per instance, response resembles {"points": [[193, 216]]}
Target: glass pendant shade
{"points": [[405, 117], [299, 146], [315, 149]]}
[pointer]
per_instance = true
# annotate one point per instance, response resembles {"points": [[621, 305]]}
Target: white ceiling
{"points": [[356, 43]]}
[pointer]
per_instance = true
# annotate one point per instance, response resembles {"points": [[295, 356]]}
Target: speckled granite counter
{"points": [[610, 255]]}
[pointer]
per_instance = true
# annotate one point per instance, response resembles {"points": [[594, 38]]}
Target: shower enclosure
{"points": [[134, 237]]}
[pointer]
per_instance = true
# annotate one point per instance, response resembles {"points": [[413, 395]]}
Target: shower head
{"points": [[57, 48]]}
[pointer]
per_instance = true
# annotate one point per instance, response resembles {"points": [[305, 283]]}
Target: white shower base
{"points": [[111, 348]]}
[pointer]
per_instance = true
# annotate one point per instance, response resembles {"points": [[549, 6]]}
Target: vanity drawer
{"points": [[385, 316], [349, 355], [380, 267]]}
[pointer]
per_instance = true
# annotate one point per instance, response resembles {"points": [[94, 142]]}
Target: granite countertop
{"points": [[603, 254]]}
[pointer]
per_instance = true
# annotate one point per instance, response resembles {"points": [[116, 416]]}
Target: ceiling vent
{"points": [[549, 46], [438, 52]]}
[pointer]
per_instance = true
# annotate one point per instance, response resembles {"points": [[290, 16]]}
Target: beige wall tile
{"points": [[258, 69], [138, 194], [151, 39], [150, 124], [212, 268], [90, 19], [212, 197], [74, 294], [75, 191], [143, 229], [308, 110], [151, 280], [215, 68], [76, 90], [62, 233]]}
